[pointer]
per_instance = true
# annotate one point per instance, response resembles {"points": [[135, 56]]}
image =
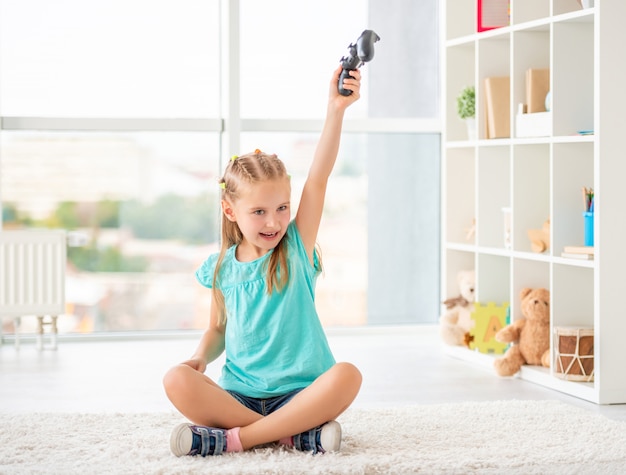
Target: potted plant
{"points": [[466, 108]]}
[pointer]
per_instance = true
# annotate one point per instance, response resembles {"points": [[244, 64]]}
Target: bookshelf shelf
{"points": [[540, 178]]}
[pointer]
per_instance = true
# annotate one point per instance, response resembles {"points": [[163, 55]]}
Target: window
{"points": [[288, 50], [113, 128], [142, 212], [115, 58]]}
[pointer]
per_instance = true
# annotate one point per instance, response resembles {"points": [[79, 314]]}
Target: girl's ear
{"points": [[228, 211]]}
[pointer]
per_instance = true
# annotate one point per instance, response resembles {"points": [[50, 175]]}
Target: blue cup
{"points": [[588, 215]]}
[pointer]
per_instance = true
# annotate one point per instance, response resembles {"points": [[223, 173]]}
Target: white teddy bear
{"points": [[456, 322]]}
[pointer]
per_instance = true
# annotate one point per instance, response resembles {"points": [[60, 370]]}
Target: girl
{"points": [[280, 381]]}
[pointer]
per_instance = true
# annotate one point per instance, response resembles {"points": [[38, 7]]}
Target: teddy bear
{"points": [[530, 335], [456, 322], [540, 238]]}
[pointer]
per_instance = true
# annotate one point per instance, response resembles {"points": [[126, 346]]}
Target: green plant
{"points": [[466, 102]]}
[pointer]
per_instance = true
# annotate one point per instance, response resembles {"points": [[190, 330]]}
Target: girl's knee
{"points": [[174, 378], [350, 374]]}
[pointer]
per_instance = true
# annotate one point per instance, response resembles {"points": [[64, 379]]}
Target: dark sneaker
{"points": [[324, 438], [189, 439]]}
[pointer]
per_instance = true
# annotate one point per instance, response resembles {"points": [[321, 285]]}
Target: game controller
{"points": [[358, 53]]}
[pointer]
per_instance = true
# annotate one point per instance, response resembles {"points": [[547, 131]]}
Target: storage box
{"points": [[538, 124]]}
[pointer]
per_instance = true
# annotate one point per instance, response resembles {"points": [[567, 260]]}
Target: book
{"points": [[497, 107], [579, 249], [537, 87], [575, 255]]}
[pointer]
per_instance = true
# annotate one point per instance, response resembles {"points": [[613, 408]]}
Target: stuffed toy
{"points": [[530, 335], [540, 238], [456, 322]]}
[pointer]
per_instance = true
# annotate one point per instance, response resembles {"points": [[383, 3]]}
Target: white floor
{"points": [[401, 366]]}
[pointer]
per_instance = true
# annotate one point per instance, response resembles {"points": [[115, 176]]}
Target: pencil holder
{"points": [[588, 216]]}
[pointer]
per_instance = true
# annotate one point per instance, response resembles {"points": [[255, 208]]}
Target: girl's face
{"points": [[262, 213]]}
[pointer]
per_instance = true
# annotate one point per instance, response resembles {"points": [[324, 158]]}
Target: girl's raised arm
{"points": [[311, 205]]}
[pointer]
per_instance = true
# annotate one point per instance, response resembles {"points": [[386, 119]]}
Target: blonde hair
{"points": [[241, 171]]}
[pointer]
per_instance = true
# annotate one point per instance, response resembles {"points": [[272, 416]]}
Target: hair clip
{"points": [[257, 151], [223, 185], [233, 158]]}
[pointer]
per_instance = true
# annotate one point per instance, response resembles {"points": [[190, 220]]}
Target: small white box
{"points": [[537, 124]]}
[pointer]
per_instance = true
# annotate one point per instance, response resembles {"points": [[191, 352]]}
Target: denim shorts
{"points": [[264, 406]]}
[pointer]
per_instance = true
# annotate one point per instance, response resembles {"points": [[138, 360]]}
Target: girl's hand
{"points": [[353, 83], [196, 363]]}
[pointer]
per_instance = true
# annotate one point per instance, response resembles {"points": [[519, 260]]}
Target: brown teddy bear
{"points": [[540, 238], [456, 322], [530, 335]]}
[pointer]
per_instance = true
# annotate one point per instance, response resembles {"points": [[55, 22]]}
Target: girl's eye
{"points": [[259, 212], [282, 208]]}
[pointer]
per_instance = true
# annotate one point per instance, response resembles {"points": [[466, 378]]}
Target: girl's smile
{"points": [[269, 236]]}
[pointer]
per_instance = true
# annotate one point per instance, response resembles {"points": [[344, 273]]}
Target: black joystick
{"points": [[358, 54]]}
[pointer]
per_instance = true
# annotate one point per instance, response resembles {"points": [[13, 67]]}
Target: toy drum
{"points": [[573, 353]]}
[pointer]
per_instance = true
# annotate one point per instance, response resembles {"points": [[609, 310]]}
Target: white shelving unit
{"points": [[541, 178]]}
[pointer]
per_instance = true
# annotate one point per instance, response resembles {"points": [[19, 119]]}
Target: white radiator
{"points": [[32, 277]]}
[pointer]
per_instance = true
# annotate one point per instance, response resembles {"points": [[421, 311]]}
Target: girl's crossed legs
{"points": [[205, 403]]}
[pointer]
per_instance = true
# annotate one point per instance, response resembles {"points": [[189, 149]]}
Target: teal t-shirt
{"points": [[274, 343]]}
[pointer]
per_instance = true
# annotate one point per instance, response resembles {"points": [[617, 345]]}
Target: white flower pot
{"points": [[470, 122]]}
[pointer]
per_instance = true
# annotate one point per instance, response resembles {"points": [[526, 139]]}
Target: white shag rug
{"points": [[525, 437]]}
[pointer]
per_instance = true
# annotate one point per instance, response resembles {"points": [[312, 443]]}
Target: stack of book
{"points": [[578, 252]]}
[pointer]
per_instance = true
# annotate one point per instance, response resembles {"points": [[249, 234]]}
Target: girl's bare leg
{"points": [[203, 402]]}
